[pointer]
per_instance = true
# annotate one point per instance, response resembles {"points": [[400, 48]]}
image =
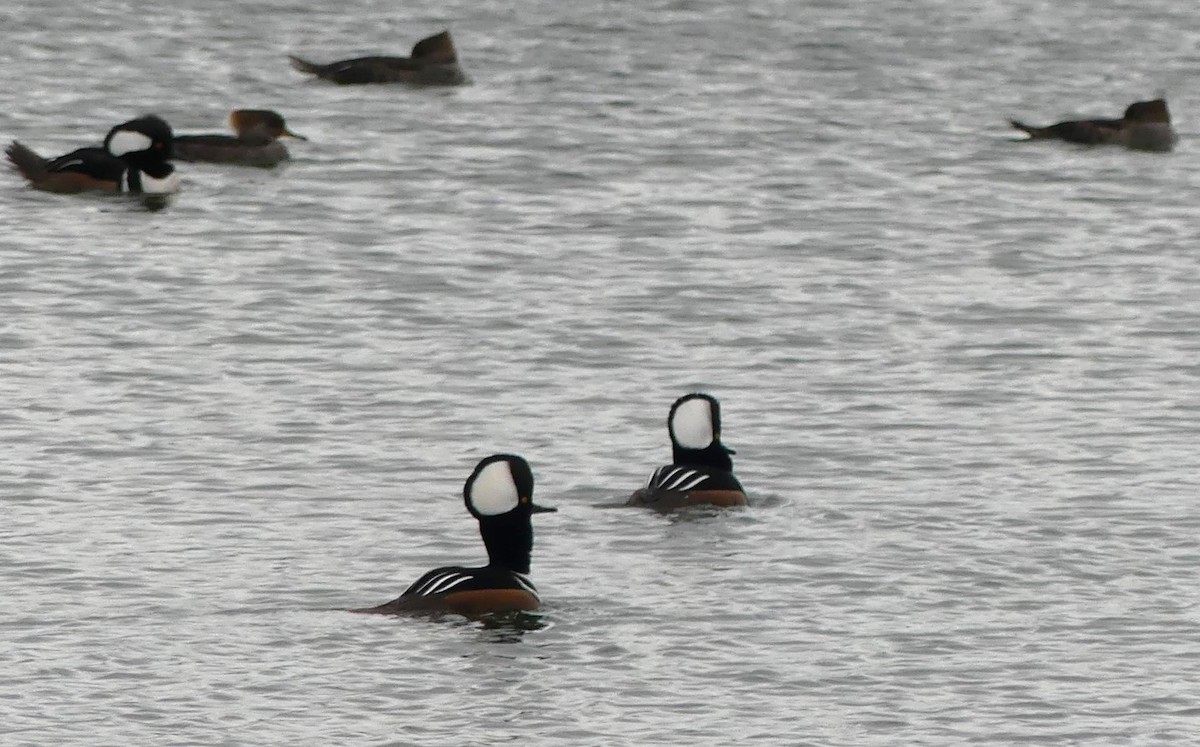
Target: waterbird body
{"points": [[134, 158], [499, 493], [1145, 125], [433, 62], [256, 142], [701, 471]]}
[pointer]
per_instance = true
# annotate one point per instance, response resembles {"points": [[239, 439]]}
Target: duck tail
{"points": [[23, 159], [305, 66], [1030, 130]]}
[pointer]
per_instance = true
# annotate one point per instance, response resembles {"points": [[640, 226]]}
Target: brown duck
{"points": [[256, 142], [1146, 125], [433, 62]]}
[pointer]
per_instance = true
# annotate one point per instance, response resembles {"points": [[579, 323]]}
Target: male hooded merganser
{"points": [[1146, 125], [134, 158], [255, 144], [433, 63], [701, 471], [499, 493]]}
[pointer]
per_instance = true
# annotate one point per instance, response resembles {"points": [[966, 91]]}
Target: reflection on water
{"points": [[154, 203], [511, 627]]}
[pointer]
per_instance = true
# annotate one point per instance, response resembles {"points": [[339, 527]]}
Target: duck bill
{"points": [[536, 509], [289, 133]]}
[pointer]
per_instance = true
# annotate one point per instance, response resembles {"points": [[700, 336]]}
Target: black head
{"points": [[499, 493], [146, 138], [695, 427]]}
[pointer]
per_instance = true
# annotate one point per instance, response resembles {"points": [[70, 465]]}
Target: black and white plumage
{"points": [[701, 471], [134, 159], [499, 493], [681, 479], [442, 581]]}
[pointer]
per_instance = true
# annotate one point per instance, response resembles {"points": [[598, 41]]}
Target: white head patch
{"points": [[128, 141], [494, 492], [692, 424]]}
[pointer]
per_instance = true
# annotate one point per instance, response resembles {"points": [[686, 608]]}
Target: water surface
{"points": [[960, 373]]}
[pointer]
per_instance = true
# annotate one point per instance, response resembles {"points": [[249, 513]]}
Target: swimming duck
{"points": [[499, 493], [1146, 125], [433, 62], [255, 144], [133, 159], [700, 471]]}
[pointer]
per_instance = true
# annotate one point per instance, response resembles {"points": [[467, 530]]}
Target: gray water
{"points": [[960, 373]]}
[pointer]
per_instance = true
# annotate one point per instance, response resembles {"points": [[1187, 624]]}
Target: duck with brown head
{"points": [[256, 142], [433, 62], [1145, 125]]}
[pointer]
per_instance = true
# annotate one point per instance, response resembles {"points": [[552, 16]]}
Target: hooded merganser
{"points": [[433, 63], [255, 144], [1146, 125], [134, 158], [499, 493], [701, 471]]}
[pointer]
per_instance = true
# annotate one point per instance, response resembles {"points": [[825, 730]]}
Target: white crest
{"points": [[494, 492], [692, 424], [128, 141]]}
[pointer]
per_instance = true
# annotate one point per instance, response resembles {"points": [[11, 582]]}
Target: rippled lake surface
{"points": [[960, 373]]}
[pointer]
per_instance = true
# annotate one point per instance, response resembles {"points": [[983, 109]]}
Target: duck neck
{"points": [[714, 456], [508, 539], [154, 165]]}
